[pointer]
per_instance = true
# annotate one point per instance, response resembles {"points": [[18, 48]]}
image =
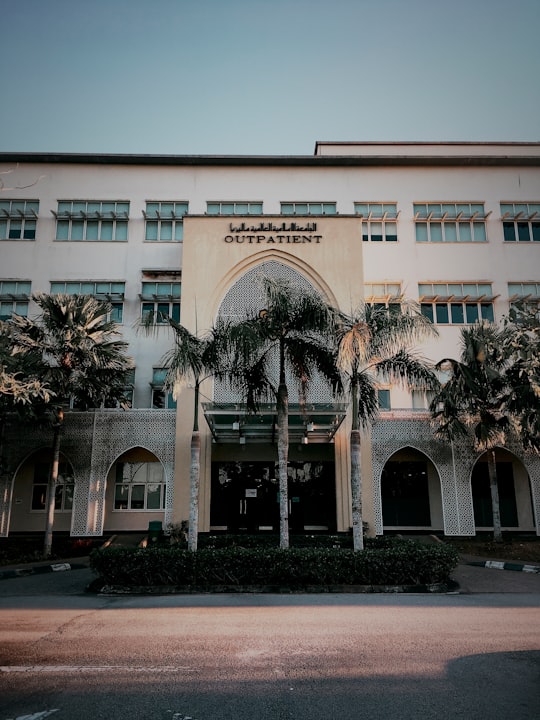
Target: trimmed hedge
{"points": [[396, 562]]}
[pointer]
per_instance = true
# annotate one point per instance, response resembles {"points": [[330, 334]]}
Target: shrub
{"points": [[403, 562]]}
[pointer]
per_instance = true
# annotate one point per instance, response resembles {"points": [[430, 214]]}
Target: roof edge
{"points": [[283, 160]]}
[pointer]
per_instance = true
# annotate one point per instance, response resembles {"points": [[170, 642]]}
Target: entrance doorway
{"points": [[245, 496], [405, 494]]}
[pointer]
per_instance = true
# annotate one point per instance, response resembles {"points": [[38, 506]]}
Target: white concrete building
{"points": [[455, 226]]}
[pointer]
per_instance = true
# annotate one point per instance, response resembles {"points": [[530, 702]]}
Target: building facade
{"points": [[453, 226]]}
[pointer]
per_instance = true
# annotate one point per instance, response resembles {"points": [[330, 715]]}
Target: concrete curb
{"points": [[40, 569], [273, 589], [500, 565]]}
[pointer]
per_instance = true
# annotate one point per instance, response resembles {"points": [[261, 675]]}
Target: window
{"points": [[14, 296], [165, 221], [18, 219], [161, 300], [160, 399], [521, 222], [109, 291], [308, 208], [456, 303], [383, 398], [92, 220], [139, 486], [64, 489], [450, 222], [234, 208], [525, 293], [126, 400], [385, 294], [378, 221]]}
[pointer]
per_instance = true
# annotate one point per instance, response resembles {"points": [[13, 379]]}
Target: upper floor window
{"points": [[18, 219], [234, 208], [165, 221], [383, 398], [525, 293], [456, 303], [383, 294], [110, 291], [161, 300], [14, 296], [521, 222], [160, 399], [308, 208], [450, 222], [92, 220], [378, 221]]}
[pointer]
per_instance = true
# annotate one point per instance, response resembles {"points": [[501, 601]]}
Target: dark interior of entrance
{"points": [[405, 494], [245, 496], [483, 512]]}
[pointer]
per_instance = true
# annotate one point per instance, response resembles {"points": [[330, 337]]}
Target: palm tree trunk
{"points": [[194, 476], [356, 476], [283, 457], [194, 483], [494, 489], [356, 492], [53, 481]]}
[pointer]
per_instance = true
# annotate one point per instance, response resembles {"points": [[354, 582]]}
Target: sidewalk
{"points": [[474, 575]]}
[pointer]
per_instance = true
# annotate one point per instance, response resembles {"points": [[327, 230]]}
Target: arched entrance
{"points": [[514, 493], [30, 494], [135, 493], [244, 486], [411, 492]]}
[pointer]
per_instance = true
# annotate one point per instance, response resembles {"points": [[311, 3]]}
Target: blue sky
{"points": [[265, 77]]}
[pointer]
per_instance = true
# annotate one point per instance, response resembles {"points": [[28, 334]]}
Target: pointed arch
{"points": [[515, 491], [135, 487], [29, 490], [410, 490], [290, 262]]}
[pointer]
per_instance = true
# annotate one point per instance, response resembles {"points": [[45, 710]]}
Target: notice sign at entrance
{"points": [[251, 493]]}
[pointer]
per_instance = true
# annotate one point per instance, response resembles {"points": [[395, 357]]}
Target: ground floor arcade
{"points": [[119, 471]]}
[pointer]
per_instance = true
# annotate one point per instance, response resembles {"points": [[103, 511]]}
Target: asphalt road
{"points": [[67, 655]]}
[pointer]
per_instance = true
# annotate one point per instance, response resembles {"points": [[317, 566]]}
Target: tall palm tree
{"points": [[474, 398], [522, 348], [288, 334], [73, 339], [192, 360], [373, 348]]}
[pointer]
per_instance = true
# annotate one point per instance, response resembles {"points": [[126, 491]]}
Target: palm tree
{"points": [[474, 398], [522, 348], [372, 348], [21, 388], [289, 334], [192, 360], [73, 340]]}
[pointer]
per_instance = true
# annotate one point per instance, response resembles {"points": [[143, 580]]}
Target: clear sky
{"points": [[266, 77]]}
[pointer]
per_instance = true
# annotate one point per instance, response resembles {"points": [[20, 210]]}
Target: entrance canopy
{"points": [[311, 423]]}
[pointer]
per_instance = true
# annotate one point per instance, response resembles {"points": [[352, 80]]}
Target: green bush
{"points": [[402, 562]]}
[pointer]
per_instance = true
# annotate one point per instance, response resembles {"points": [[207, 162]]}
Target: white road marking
{"points": [[89, 668], [36, 716]]}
